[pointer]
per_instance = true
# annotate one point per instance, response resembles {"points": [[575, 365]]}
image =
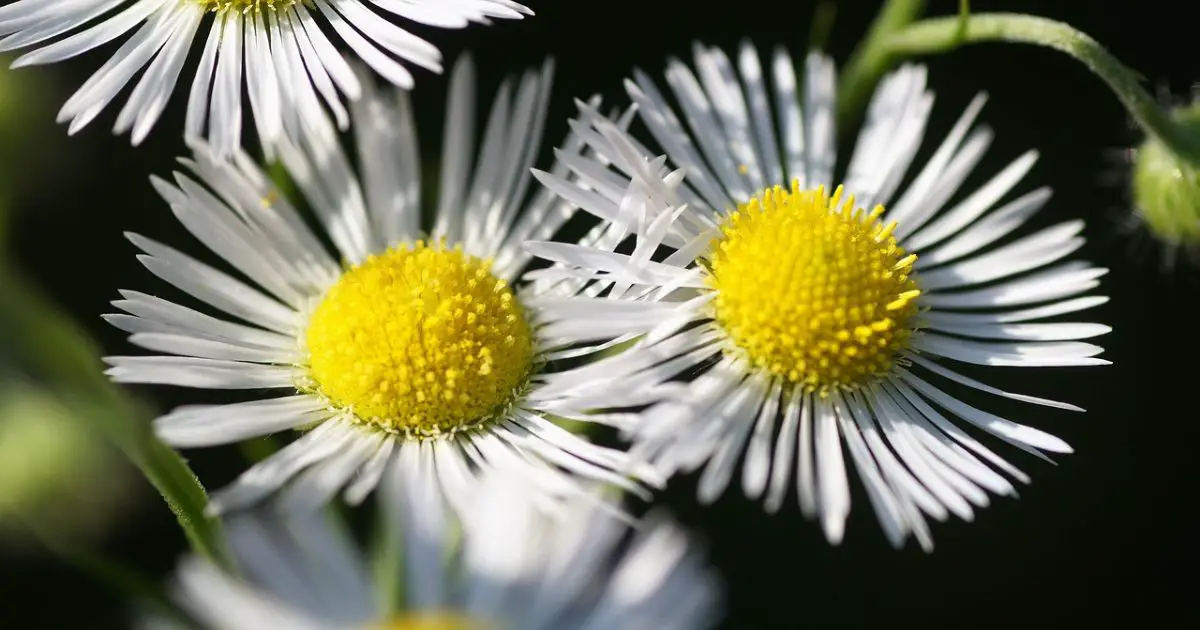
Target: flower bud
{"points": [[1166, 187]]}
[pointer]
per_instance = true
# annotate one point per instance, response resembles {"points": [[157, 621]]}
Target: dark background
{"points": [[1107, 538]]}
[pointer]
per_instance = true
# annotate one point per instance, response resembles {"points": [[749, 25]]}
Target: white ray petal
{"points": [[225, 424]]}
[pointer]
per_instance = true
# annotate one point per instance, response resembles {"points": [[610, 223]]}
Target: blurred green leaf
{"points": [[257, 449], [50, 470], [283, 181], [59, 485], [23, 148], [40, 344]]}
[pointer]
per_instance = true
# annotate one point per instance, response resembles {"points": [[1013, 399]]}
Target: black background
{"points": [[1107, 538]]}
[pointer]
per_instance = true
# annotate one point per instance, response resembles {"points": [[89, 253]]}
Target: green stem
{"points": [[941, 34], [55, 351], [822, 24], [870, 60], [387, 562], [170, 475]]}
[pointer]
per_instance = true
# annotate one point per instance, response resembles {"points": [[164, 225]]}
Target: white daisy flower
{"points": [[807, 326], [512, 567], [416, 353], [278, 48]]}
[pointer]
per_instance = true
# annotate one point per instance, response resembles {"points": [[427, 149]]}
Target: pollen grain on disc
{"points": [[244, 6]]}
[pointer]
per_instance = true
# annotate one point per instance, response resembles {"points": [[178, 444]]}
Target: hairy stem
{"points": [[941, 34]]}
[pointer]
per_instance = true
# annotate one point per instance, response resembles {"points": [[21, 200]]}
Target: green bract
{"points": [[1166, 189]]}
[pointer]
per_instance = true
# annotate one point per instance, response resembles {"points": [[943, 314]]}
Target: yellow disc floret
{"points": [[420, 340], [813, 290], [244, 6]]}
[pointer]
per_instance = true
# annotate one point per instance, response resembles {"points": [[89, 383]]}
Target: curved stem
{"points": [[942, 34], [870, 60]]}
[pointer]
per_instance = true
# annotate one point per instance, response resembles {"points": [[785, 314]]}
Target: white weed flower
{"points": [[512, 567], [418, 353], [280, 50], [806, 326]]}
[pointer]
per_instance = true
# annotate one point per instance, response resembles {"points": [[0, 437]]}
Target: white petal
{"points": [[265, 477], [758, 452], [152, 314], [218, 289], [219, 600], [1028, 253], [193, 372], [1005, 429], [195, 346], [1017, 354], [820, 94], [936, 425], [987, 230], [1023, 315], [833, 489], [1061, 281], [885, 501], [311, 490], [971, 208], [970, 382], [225, 424], [785, 452]]}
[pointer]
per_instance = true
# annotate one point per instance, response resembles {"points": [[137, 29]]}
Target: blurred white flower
{"points": [[511, 567]]}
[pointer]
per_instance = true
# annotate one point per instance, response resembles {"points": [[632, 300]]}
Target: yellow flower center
{"points": [[420, 340], [244, 6], [432, 621], [812, 290]]}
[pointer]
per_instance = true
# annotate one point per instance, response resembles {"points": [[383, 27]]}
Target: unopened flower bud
{"points": [[1166, 187]]}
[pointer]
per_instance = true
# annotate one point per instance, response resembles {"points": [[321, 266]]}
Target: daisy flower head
{"points": [[280, 49], [815, 325], [511, 567], [418, 352]]}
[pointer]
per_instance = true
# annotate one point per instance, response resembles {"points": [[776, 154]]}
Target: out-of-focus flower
{"points": [[512, 566]]}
